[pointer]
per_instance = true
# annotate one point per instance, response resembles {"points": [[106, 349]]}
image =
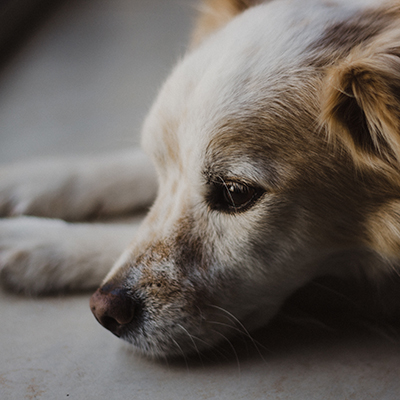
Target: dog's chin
{"points": [[181, 339], [171, 347]]}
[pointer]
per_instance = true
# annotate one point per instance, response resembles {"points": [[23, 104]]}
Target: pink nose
{"points": [[113, 308]]}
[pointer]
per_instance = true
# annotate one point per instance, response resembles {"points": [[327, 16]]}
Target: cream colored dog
{"points": [[276, 145]]}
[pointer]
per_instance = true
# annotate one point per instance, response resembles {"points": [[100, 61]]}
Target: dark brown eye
{"points": [[230, 196], [237, 195]]}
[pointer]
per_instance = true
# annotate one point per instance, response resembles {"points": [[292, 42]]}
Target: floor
{"points": [[82, 84]]}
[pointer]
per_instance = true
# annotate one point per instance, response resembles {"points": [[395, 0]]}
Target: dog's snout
{"points": [[113, 308]]}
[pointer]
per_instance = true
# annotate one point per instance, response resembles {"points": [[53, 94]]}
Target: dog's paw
{"points": [[30, 256], [78, 189], [42, 255], [42, 188]]}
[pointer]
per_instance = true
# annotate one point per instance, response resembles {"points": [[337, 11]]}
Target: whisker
{"points": [[165, 358], [191, 337], [233, 349], [333, 291], [246, 335], [244, 330], [243, 336], [208, 346], [182, 352]]}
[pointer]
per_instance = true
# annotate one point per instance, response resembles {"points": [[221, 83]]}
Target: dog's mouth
{"points": [[179, 328], [163, 329], [155, 330]]}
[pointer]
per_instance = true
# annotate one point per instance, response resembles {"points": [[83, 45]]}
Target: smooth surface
{"points": [[83, 85]]}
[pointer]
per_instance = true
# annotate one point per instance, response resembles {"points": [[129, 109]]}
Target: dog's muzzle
{"points": [[114, 308]]}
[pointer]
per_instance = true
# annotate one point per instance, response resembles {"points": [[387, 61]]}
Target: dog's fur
{"points": [[277, 149]]}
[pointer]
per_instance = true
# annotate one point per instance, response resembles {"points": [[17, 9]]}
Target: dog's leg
{"points": [[78, 188], [39, 255]]}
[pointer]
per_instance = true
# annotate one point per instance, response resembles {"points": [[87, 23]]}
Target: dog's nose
{"points": [[113, 308]]}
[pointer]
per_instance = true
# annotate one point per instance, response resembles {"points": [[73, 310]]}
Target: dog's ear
{"points": [[361, 105], [213, 14], [383, 233]]}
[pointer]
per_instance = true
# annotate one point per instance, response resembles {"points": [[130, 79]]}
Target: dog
{"points": [[276, 148]]}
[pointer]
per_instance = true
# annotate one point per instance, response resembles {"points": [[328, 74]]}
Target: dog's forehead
{"points": [[256, 61]]}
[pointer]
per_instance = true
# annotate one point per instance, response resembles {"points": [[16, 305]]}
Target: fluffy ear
{"points": [[383, 230], [361, 106], [214, 14]]}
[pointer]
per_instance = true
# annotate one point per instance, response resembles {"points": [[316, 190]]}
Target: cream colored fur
{"points": [[248, 112]]}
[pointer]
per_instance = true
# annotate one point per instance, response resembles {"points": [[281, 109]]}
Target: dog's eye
{"points": [[237, 195], [232, 196]]}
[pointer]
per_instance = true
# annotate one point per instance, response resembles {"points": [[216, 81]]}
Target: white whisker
{"points": [[246, 335], [182, 352], [242, 330], [191, 337], [233, 349]]}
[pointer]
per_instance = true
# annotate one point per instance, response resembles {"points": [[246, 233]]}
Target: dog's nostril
{"points": [[113, 308], [112, 325]]}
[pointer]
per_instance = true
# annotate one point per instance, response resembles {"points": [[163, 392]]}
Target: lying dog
{"points": [[276, 145]]}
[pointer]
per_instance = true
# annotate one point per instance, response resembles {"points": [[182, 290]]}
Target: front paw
{"points": [[40, 255], [78, 189], [30, 254], [40, 188]]}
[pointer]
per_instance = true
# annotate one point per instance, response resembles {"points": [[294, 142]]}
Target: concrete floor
{"points": [[83, 84]]}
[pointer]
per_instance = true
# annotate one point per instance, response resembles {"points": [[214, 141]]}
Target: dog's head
{"points": [[255, 198]]}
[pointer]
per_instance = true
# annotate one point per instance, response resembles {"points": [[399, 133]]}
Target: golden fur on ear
{"points": [[213, 14], [384, 230], [361, 103]]}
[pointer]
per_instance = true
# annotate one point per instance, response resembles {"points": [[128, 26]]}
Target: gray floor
{"points": [[82, 85]]}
